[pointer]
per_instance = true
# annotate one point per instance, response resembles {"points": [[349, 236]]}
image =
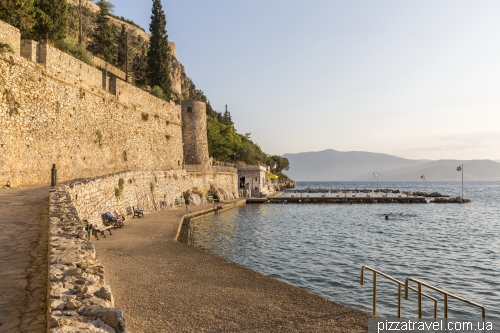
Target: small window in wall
{"points": [[124, 156], [190, 109]]}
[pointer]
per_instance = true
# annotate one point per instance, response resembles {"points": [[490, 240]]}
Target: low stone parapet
{"points": [[80, 300]]}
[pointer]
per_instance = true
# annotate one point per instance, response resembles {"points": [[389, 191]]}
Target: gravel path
{"points": [[166, 286]]}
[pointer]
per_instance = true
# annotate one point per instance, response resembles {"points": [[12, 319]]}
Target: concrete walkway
{"points": [[166, 286], [24, 222]]}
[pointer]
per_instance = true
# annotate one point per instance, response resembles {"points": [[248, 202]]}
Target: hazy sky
{"points": [[417, 79]]}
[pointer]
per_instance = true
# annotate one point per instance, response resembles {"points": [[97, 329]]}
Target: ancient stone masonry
{"points": [[80, 298], [55, 109], [194, 120], [11, 36], [147, 190]]}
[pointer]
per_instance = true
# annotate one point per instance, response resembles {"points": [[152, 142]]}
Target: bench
{"points": [[212, 199], [98, 227], [137, 212]]}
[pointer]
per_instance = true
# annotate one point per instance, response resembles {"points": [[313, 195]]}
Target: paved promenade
{"points": [[166, 286], [24, 222]]}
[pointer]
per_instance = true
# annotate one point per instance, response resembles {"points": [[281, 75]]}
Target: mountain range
{"points": [[332, 165]]}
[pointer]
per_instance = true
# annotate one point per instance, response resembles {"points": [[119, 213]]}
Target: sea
{"points": [[322, 247]]}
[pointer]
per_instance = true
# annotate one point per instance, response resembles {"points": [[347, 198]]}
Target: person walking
{"points": [[187, 198]]}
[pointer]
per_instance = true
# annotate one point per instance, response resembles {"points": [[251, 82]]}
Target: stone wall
{"points": [[55, 114], [194, 120], [148, 190], [11, 36], [80, 298]]}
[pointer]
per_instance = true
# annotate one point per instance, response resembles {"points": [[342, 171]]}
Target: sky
{"points": [[415, 79]]}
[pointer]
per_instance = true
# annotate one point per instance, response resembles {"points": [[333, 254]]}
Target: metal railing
{"points": [[400, 284], [445, 293]]}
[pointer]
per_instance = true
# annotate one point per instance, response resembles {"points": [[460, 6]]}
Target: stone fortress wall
{"points": [[57, 109]]}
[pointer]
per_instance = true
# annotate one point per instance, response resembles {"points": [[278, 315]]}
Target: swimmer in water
{"points": [[401, 214], [387, 217]]}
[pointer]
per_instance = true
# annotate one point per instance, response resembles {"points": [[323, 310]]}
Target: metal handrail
{"points": [[445, 293], [375, 272]]}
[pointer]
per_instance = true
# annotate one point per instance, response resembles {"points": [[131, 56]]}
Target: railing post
{"points": [[419, 300], [53, 174], [399, 300], [374, 293], [446, 305]]}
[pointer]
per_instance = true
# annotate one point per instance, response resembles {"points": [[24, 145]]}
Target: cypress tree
{"points": [[103, 44], [51, 20], [122, 48], [159, 53], [18, 13], [140, 67]]}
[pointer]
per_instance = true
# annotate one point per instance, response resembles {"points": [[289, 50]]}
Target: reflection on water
{"points": [[321, 247]]}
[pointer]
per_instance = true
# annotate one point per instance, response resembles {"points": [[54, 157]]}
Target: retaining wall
{"points": [[80, 300]]}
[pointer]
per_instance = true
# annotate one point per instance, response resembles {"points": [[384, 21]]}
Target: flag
{"points": [[459, 168], [375, 174], [423, 177]]}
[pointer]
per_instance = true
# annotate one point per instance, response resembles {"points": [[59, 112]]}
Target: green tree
{"points": [[18, 13], [103, 44], [223, 141], [140, 67], [51, 20], [226, 118], [122, 48], [159, 53]]}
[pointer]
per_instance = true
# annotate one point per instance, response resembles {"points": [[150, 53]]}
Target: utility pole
{"points": [[80, 37]]}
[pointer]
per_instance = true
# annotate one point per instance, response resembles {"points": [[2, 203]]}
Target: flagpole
{"points": [[377, 180], [462, 183]]}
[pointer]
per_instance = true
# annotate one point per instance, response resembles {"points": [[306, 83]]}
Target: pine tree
{"points": [[18, 13], [226, 118], [140, 67], [159, 53], [103, 44], [51, 20]]}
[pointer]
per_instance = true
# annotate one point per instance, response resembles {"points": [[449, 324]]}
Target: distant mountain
{"points": [[358, 165], [335, 165], [446, 170]]}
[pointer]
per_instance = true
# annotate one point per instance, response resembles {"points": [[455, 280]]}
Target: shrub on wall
{"points": [[158, 92], [145, 116], [5, 48], [70, 46], [119, 190], [99, 138]]}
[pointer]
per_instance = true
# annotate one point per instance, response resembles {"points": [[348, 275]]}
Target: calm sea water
{"points": [[321, 247]]}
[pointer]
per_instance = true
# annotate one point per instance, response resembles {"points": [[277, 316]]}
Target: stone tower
{"points": [[194, 133]]}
